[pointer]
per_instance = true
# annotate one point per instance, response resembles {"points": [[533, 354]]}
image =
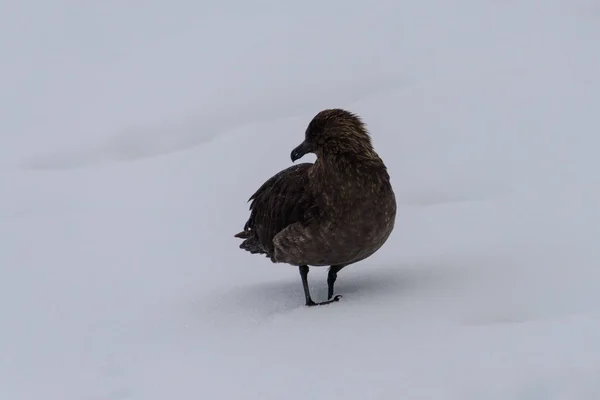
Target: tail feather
{"points": [[251, 243], [243, 235]]}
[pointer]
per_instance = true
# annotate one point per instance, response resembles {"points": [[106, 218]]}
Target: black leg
{"points": [[331, 277], [309, 301], [304, 276]]}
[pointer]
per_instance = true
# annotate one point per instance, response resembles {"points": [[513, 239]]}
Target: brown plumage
{"points": [[336, 212]]}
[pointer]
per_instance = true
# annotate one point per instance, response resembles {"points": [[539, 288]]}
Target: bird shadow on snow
{"points": [[260, 302], [478, 290]]}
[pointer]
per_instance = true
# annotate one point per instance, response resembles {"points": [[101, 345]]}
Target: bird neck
{"points": [[343, 166], [350, 160]]}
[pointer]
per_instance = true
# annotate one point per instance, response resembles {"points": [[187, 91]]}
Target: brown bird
{"points": [[335, 212]]}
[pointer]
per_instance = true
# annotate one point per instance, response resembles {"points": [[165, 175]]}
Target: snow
{"points": [[134, 132]]}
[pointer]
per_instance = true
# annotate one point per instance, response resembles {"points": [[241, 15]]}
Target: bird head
{"points": [[334, 131]]}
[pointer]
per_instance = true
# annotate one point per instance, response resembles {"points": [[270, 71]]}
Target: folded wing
{"points": [[281, 201]]}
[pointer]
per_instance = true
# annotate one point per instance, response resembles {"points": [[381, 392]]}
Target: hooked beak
{"points": [[300, 151]]}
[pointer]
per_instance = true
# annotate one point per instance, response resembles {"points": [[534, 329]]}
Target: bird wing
{"points": [[281, 201]]}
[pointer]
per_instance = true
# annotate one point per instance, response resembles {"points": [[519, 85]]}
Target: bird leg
{"points": [[331, 277], [309, 301]]}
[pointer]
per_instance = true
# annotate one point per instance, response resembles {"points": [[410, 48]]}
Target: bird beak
{"points": [[301, 150]]}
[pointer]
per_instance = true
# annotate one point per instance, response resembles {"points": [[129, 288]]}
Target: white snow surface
{"points": [[134, 132]]}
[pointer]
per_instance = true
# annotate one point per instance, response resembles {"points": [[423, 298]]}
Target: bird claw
{"points": [[311, 303]]}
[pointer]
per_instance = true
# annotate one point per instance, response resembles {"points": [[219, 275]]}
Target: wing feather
{"points": [[279, 202]]}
